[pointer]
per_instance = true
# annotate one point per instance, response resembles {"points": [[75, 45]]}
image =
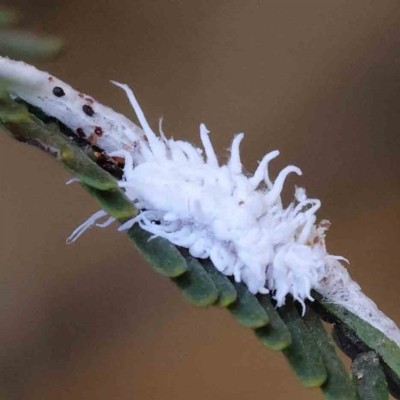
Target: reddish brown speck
{"points": [[51, 79], [81, 95], [241, 203], [80, 132], [98, 131], [89, 100]]}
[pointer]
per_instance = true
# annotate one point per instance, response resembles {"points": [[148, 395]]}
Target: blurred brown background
{"points": [[318, 80]]}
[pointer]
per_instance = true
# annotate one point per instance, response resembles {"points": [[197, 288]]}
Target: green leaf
{"points": [[226, 291], [247, 309], [114, 202], [196, 285], [86, 170], [19, 44], [275, 335], [369, 377], [162, 255], [338, 385], [303, 355], [372, 337], [10, 111]]}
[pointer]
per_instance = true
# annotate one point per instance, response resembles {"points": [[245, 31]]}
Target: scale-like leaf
{"points": [[275, 335], [114, 202], [226, 291], [246, 309], [303, 354], [196, 285], [163, 256], [338, 385], [369, 377]]}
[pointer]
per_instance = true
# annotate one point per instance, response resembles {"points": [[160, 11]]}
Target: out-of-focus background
{"points": [[318, 80]]}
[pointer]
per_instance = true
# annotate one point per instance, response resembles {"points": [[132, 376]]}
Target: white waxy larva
{"points": [[214, 210]]}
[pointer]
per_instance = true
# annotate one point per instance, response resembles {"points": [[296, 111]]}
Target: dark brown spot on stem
{"points": [[58, 92], [88, 110]]}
